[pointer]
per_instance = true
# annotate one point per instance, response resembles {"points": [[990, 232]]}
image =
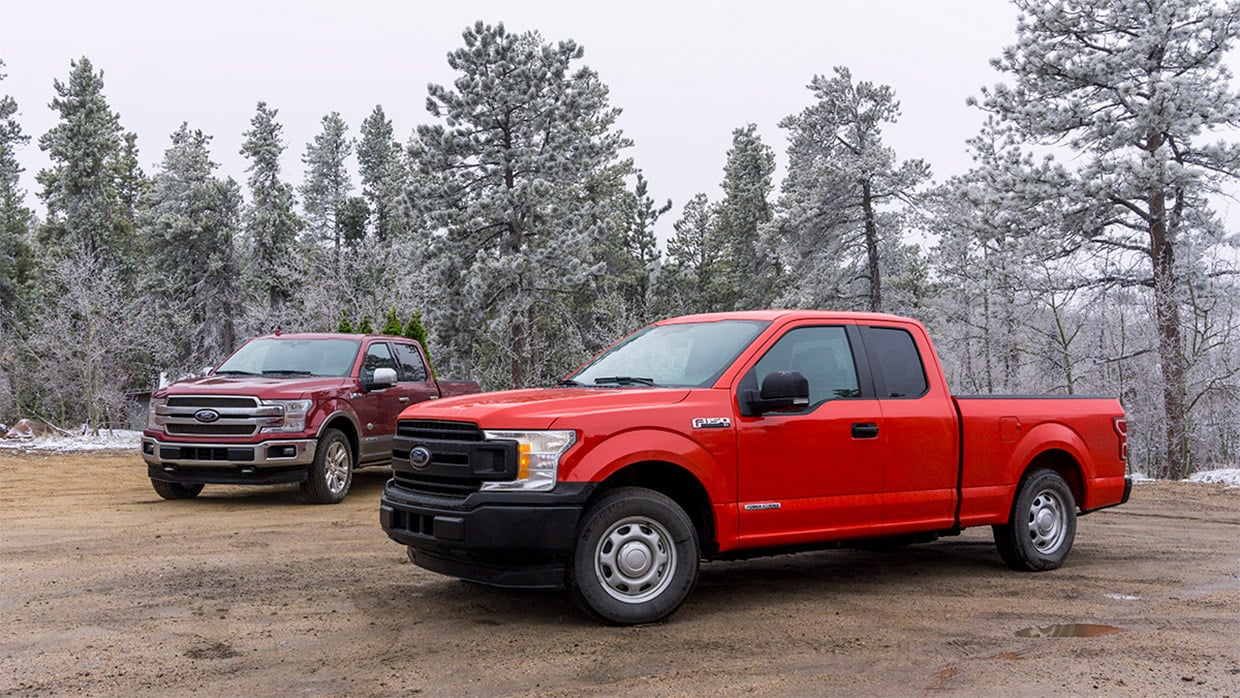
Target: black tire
{"points": [[1040, 531], [175, 490], [332, 471], [661, 552]]}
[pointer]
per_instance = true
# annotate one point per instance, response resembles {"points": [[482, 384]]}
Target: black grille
{"points": [[206, 453], [427, 430], [436, 486], [211, 429]]}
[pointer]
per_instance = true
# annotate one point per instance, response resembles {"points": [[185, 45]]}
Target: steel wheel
{"points": [[1042, 525], [1047, 521], [634, 558]]}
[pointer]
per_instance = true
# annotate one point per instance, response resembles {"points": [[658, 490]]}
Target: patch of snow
{"points": [[1123, 597], [1140, 477], [113, 440], [1225, 476]]}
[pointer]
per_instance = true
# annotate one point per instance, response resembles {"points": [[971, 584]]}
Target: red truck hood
{"points": [[267, 388], [540, 408]]}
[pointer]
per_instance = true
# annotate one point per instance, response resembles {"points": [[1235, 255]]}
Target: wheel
{"points": [[175, 490], [636, 557], [1040, 532], [332, 471]]}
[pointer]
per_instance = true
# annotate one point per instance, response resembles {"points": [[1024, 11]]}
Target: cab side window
{"points": [[822, 355], [894, 353], [411, 367], [377, 356]]}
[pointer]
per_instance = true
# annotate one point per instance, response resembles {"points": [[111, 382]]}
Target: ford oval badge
{"points": [[420, 457], [206, 416]]}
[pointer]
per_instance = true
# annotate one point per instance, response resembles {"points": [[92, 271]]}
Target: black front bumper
{"points": [[509, 539]]}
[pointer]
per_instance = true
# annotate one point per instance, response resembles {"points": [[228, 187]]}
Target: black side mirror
{"points": [[781, 390]]}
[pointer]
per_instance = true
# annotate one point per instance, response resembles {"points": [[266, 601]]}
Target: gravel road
{"points": [[105, 589]]}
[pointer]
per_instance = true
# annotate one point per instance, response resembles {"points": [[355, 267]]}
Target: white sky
{"points": [[685, 73]]}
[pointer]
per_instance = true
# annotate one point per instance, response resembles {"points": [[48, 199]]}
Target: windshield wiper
{"points": [[567, 383], [284, 372], [231, 372], [624, 380]]}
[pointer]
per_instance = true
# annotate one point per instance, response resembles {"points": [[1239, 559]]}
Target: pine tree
{"points": [[842, 183], [1136, 88], [270, 223], [687, 282], [327, 183], [384, 177], [189, 221], [391, 323], [346, 324], [748, 272], [521, 179], [16, 256], [93, 167], [364, 327]]}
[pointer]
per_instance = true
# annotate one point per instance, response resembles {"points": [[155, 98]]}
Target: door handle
{"points": [[403, 399], [864, 430]]}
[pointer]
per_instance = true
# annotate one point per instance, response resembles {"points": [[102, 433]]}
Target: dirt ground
{"points": [[105, 589]]}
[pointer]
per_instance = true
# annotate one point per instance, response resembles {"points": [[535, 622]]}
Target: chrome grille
{"points": [[237, 416]]}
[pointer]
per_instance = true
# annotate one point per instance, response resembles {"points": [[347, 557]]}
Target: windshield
{"points": [[691, 355], [275, 356]]}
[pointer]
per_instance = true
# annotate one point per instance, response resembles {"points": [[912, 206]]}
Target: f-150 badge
{"points": [[712, 422]]}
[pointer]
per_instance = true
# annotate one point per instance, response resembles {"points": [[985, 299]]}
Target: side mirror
{"points": [[383, 378], [780, 390]]}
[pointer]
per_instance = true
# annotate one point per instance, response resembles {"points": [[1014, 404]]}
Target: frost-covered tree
{"points": [[93, 170], [686, 283], [748, 270], [840, 201], [270, 265], [1138, 91], [383, 174], [511, 182], [327, 184], [190, 219], [16, 259]]}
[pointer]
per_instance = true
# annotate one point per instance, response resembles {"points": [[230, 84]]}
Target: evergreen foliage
{"points": [[270, 266], [391, 323]]}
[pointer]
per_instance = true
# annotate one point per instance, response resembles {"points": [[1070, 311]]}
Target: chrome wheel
{"points": [[1047, 521], [634, 559], [336, 467]]}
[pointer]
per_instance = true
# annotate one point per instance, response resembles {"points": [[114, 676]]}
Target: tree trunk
{"points": [[871, 247], [1170, 344]]}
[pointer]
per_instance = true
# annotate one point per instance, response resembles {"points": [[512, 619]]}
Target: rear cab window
{"points": [[899, 372]]}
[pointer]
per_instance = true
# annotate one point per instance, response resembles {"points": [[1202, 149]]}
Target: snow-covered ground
{"points": [[114, 440], [119, 440]]}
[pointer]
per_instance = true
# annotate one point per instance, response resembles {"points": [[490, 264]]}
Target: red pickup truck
{"points": [[736, 434], [306, 408]]}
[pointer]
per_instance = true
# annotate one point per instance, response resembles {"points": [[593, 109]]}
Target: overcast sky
{"points": [[685, 74]]}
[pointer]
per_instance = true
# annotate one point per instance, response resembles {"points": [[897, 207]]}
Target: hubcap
{"points": [[336, 467], [1048, 516], [634, 560]]}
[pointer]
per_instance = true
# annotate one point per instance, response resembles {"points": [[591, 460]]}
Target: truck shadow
{"points": [[953, 568], [366, 487]]}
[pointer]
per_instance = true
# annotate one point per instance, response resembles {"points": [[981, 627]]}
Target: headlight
{"points": [[151, 422], [538, 458], [286, 415]]}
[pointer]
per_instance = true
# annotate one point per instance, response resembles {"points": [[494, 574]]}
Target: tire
{"points": [[636, 557], [332, 471], [1039, 534], [175, 490]]}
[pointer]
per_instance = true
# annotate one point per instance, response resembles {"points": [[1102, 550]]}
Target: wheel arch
{"points": [[1064, 463], [674, 482], [343, 422]]}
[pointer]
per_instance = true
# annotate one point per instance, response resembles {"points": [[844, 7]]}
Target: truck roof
{"points": [[330, 335], [783, 314]]}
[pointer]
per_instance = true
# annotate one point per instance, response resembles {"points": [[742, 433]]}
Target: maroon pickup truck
{"points": [[304, 408]]}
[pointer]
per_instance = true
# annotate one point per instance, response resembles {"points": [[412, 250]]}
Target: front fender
{"points": [[602, 459]]}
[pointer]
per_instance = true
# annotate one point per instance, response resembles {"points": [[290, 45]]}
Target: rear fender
{"points": [[1056, 446]]}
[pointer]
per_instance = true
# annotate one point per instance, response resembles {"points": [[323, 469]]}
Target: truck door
{"points": [[817, 472], [377, 409], [415, 383], [921, 463]]}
